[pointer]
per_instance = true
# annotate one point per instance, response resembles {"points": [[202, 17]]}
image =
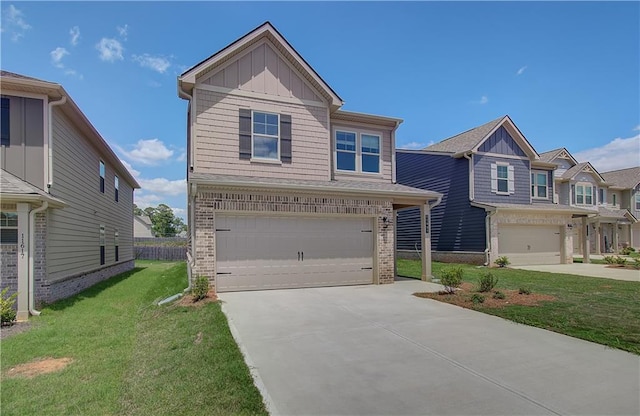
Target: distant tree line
{"points": [[164, 222]]}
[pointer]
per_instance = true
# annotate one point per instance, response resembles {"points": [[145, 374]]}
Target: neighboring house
{"points": [[142, 226], [580, 185], [67, 200], [286, 190], [624, 192], [498, 199]]}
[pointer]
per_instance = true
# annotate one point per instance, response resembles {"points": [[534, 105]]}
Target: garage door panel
{"points": [[266, 252], [530, 244]]}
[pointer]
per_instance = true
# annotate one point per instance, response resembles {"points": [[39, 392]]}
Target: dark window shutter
{"points": [[4, 123], [285, 138], [245, 133], [573, 194]]}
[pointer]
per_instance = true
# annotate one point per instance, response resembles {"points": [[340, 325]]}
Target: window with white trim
{"points": [[357, 152], [539, 186], [584, 194], [266, 136], [638, 201], [502, 179], [8, 227], [102, 174]]}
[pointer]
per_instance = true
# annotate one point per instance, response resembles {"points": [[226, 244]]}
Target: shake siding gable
{"points": [[72, 232], [455, 224], [482, 175], [501, 142]]}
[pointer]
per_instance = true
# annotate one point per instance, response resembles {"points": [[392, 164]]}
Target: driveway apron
{"points": [[378, 350]]}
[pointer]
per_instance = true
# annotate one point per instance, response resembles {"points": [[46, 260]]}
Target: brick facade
{"points": [[208, 202], [9, 267]]}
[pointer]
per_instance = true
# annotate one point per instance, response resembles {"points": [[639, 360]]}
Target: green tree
{"points": [[137, 211], [163, 220]]}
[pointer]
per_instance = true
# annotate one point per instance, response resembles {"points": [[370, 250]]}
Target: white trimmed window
{"points": [[638, 201], [102, 175], [357, 152], [584, 194], [8, 227], [265, 136], [502, 179], [539, 185]]}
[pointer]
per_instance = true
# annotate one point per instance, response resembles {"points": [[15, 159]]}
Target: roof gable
{"points": [[584, 167], [470, 141], [188, 79], [561, 153]]}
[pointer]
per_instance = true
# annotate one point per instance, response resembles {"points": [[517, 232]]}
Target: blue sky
{"points": [[567, 73]]}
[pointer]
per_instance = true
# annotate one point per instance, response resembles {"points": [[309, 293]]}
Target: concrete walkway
{"points": [[378, 350], [594, 270]]}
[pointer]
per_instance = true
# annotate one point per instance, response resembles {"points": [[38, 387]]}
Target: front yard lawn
{"points": [[120, 354], [599, 310]]}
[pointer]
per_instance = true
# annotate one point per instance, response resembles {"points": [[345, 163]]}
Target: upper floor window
{"points": [[4, 122], [116, 184], [502, 178], [601, 196], [539, 185], [638, 201], [357, 152], [584, 195], [266, 136], [8, 228], [102, 174], [614, 198]]}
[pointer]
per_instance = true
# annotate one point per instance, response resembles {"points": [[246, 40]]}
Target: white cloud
{"points": [[413, 146], [521, 70], [157, 63], [56, 56], [123, 31], [164, 186], [148, 152], [637, 128], [13, 23], [110, 50], [130, 168], [484, 99], [179, 212], [617, 154], [75, 35], [154, 84], [182, 157], [144, 201]]}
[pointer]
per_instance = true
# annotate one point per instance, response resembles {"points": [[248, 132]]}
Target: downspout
{"points": [[487, 227], [393, 153], [192, 229], [50, 132], [31, 271], [189, 121]]}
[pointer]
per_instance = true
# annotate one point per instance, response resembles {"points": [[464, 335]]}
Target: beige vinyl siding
{"points": [[385, 148], [263, 70], [217, 138], [73, 233]]}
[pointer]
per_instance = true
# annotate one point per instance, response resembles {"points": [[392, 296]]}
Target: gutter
{"points": [[31, 269], [50, 133]]}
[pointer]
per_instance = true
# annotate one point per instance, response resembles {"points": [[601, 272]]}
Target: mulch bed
{"points": [[462, 297], [188, 300], [15, 328]]}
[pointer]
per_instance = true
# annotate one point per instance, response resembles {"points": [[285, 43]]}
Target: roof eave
{"points": [[10, 197]]}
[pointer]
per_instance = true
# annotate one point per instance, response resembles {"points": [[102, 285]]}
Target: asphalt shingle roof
{"points": [[623, 178], [550, 155], [464, 141]]}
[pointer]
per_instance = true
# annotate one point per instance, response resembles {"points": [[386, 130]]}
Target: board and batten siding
{"points": [[501, 142], [482, 180], [73, 233], [262, 70], [455, 224], [24, 157], [216, 139], [385, 148]]}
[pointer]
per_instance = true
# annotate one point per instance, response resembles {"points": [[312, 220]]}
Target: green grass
{"points": [[131, 357], [599, 310]]}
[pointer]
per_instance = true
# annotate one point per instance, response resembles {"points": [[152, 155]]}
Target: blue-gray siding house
{"points": [[498, 199]]}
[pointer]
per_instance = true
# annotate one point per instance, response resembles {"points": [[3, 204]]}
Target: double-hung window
{"points": [[357, 152], [638, 201], [116, 184], [539, 185], [584, 195], [503, 178], [8, 228], [266, 136], [4, 122], [102, 174]]}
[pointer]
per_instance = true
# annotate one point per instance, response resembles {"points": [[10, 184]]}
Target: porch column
{"points": [[598, 237], [616, 238], [395, 243], [425, 239], [23, 261], [585, 241]]}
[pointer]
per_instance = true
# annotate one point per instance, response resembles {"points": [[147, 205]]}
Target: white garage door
{"points": [[271, 252], [530, 244]]}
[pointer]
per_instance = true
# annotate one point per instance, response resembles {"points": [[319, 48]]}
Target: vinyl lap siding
{"points": [[482, 175], [73, 233], [455, 224], [217, 146]]}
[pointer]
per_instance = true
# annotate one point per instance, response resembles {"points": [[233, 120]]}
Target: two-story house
{"points": [[581, 185], [624, 193], [498, 199], [67, 201], [285, 189]]}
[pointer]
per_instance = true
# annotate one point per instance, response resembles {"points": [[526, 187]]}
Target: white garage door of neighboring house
{"points": [[271, 252], [530, 244]]}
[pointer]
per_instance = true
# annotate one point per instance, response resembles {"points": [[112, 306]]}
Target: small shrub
{"points": [[7, 313], [200, 288], [620, 260], [609, 259], [477, 298], [628, 250], [636, 263], [487, 282], [502, 261], [499, 295], [524, 291], [451, 278]]}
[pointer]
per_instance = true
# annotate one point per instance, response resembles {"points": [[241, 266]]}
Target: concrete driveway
{"points": [[378, 350], [594, 270]]}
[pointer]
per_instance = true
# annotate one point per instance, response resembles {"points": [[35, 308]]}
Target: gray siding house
{"points": [[285, 189], [625, 184], [67, 200], [498, 199]]}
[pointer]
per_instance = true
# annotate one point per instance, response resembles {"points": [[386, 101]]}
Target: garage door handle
{"points": [[302, 257], [298, 256]]}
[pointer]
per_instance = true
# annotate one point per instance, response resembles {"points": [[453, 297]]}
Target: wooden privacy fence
{"points": [[161, 253]]}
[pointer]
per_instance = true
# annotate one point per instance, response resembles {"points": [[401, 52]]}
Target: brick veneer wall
{"points": [[208, 202], [9, 267]]}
